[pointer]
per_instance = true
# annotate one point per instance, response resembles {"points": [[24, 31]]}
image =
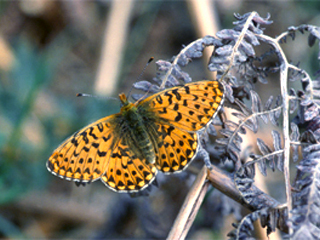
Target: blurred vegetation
{"points": [[51, 50]]}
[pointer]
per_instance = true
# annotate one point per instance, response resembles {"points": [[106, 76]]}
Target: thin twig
{"points": [[175, 62], [190, 207], [238, 42], [284, 67], [224, 182], [111, 55]]}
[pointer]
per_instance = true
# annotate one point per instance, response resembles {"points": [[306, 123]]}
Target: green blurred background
{"points": [[50, 51]]}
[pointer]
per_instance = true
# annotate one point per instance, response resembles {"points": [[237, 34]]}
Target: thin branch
{"points": [[263, 157], [190, 207], [238, 42], [224, 183], [242, 123], [284, 67], [175, 62], [111, 56]]}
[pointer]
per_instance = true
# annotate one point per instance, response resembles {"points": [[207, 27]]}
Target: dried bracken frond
{"points": [[248, 119], [306, 200], [295, 113], [269, 217]]}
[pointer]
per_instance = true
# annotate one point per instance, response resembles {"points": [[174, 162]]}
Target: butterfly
{"points": [[125, 150]]}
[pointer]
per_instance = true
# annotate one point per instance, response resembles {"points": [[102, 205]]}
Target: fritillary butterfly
{"points": [[126, 149]]}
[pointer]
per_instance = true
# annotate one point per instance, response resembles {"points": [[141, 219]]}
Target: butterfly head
{"points": [[126, 105]]}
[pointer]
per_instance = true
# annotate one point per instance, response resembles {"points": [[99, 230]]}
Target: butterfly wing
{"points": [[173, 116], [175, 148], [189, 107], [85, 155], [126, 172], [101, 150]]}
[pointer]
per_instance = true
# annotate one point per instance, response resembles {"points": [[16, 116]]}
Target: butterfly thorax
{"points": [[140, 142]]}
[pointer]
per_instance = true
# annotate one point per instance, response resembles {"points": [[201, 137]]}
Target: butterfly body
{"points": [[125, 150], [134, 124]]}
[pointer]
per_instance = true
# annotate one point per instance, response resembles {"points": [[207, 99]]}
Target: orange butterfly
{"points": [[126, 149]]}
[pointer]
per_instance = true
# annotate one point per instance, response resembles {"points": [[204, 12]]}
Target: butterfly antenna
{"points": [[93, 96], [142, 72]]}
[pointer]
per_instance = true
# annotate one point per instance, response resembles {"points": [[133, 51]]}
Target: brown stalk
{"points": [[190, 207], [113, 44]]}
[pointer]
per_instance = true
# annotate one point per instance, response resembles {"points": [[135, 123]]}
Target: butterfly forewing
{"points": [[83, 157], [189, 107]]}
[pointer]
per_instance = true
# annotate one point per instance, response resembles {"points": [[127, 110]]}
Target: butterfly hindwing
{"points": [[125, 171], [175, 148]]}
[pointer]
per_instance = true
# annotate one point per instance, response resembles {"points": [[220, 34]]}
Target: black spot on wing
{"points": [[170, 129], [165, 165], [95, 145], [206, 110], [185, 103], [187, 89], [102, 153], [111, 179], [138, 179], [164, 110], [178, 117], [85, 149], [169, 97], [92, 134], [100, 127], [174, 164], [50, 165], [74, 142], [84, 136], [159, 99], [105, 139], [146, 174], [176, 93], [195, 98]]}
